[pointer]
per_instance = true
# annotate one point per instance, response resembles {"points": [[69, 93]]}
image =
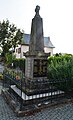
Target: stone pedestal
{"points": [[36, 74], [29, 67], [36, 65]]}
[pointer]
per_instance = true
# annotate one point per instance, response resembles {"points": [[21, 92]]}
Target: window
{"points": [[19, 50], [16, 50]]}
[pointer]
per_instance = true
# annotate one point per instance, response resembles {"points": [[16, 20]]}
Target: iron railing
{"points": [[29, 92]]}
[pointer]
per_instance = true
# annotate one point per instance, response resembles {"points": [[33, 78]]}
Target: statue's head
{"points": [[37, 10]]}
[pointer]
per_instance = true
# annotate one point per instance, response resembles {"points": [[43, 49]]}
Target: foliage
{"points": [[60, 68], [10, 36], [19, 63], [13, 72], [0, 51], [1, 76], [9, 58]]}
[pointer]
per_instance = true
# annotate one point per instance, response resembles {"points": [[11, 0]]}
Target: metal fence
{"points": [[38, 92], [1, 68]]}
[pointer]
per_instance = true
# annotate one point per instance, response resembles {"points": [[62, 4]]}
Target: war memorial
{"points": [[36, 59], [33, 91]]}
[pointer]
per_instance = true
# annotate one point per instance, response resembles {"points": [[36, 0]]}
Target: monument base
{"points": [[29, 105], [37, 86], [36, 74]]}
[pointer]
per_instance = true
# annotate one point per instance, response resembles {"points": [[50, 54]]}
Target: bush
{"points": [[60, 68], [1, 76], [19, 63], [9, 58]]}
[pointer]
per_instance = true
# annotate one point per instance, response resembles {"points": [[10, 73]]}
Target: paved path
{"points": [[62, 113]]}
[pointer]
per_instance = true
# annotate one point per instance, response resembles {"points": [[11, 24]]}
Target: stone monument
{"points": [[36, 59]]}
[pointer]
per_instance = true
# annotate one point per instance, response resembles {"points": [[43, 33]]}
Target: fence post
{"points": [[51, 92], [21, 100], [3, 79], [9, 84]]}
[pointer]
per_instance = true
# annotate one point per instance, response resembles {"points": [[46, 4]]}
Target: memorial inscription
{"points": [[40, 68]]}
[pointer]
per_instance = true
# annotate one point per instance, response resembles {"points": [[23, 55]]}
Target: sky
{"points": [[57, 19]]}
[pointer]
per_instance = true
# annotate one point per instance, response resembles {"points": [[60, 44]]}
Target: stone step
{"points": [[24, 96]]}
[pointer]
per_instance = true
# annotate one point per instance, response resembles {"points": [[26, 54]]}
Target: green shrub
{"points": [[60, 68], [9, 58], [19, 63], [1, 76]]}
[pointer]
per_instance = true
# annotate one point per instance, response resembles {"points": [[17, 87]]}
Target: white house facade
{"points": [[24, 47]]}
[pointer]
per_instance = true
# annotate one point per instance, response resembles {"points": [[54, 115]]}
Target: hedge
{"points": [[19, 63]]}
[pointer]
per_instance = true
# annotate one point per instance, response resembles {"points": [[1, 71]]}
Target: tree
{"points": [[10, 36]]}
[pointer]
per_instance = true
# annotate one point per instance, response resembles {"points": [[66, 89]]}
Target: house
{"points": [[24, 47]]}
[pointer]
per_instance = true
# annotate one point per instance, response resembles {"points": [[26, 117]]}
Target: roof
{"points": [[47, 42]]}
